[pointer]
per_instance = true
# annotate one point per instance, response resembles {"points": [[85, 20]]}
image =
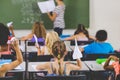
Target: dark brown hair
{"points": [[101, 35], [81, 28], [4, 33]]}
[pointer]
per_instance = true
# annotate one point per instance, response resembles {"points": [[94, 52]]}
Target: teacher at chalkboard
{"points": [[57, 16]]}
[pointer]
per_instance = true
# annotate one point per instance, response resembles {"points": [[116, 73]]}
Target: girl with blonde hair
{"points": [[51, 37]]}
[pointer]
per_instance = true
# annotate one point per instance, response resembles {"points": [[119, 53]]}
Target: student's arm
{"points": [[79, 64], [70, 66], [29, 36], [43, 66], [106, 65], [15, 63], [92, 37], [70, 38], [53, 16], [39, 51]]}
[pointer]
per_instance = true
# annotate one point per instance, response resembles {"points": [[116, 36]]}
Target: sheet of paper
{"points": [[18, 67], [46, 6], [9, 24], [34, 67], [77, 53]]}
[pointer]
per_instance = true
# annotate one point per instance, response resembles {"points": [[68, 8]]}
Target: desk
{"points": [[32, 65], [20, 68], [94, 66], [97, 71], [19, 71]]}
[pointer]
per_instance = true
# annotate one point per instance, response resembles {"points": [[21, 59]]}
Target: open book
{"points": [[46, 6]]}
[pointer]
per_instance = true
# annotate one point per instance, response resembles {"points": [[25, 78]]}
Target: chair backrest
{"points": [[72, 43], [71, 77], [44, 58], [95, 56], [76, 72], [7, 56], [33, 57], [8, 78], [30, 43]]}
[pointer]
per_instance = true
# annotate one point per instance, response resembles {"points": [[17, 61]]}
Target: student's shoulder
{"points": [[107, 43]]}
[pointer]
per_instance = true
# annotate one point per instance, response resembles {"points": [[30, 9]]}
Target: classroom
{"points": [[95, 15]]}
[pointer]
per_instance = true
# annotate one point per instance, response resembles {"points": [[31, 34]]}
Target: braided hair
{"points": [[58, 50]]}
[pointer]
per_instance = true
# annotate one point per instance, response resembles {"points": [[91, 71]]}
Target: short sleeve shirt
{"points": [[59, 20], [97, 47]]}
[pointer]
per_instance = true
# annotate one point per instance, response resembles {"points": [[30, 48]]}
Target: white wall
{"points": [[105, 14]]}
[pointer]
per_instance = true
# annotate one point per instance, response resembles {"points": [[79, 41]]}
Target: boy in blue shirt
{"points": [[99, 46]]}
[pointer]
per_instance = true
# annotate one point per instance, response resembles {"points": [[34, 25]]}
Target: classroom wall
{"points": [[105, 14]]}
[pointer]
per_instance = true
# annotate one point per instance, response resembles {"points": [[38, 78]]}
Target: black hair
{"points": [[101, 35], [4, 33]]}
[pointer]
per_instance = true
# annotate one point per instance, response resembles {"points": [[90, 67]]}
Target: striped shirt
{"points": [[59, 20]]}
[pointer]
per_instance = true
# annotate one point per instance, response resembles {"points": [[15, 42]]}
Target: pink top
{"points": [[116, 66], [82, 38]]}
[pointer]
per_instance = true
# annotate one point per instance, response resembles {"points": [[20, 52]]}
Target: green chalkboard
{"points": [[24, 13]]}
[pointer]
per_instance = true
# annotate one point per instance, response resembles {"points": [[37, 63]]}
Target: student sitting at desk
{"points": [[38, 30], [4, 33], [99, 46], [51, 37], [58, 66], [81, 34], [114, 66], [5, 46]]}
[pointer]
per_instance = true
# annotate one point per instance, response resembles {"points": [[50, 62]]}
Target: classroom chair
{"points": [[8, 56], [72, 42], [30, 43], [71, 77], [8, 78], [33, 57], [96, 56]]}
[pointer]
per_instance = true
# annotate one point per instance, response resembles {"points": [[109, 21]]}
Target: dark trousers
{"points": [[58, 30]]}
